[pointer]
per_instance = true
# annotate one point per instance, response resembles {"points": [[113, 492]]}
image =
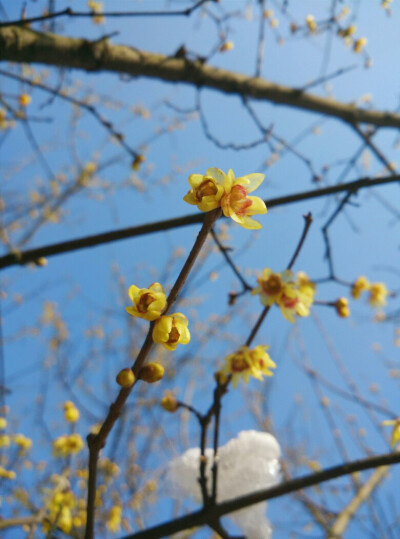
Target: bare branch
{"points": [[18, 44]]}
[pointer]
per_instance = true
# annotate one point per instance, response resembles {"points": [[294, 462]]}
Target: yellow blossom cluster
{"points": [[114, 519], [149, 303], [377, 291], [64, 511], [293, 293], [23, 442], [66, 445], [246, 362], [219, 190]]}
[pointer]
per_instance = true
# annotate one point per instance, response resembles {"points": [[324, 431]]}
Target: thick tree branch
{"points": [[32, 255], [204, 516], [19, 44]]}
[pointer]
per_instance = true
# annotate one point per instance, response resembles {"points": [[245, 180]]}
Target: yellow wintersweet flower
{"points": [[245, 363], [227, 46], [171, 330], [395, 423], [359, 286], [97, 9], [7, 474], [342, 307], [359, 44], [114, 519], [5, 440], [311, 23], [67, 445], [237, 205], [271, 285], [3, 423], [294, 295], [24, 100], [22, 441], [377, 294], [148, 303], [206, 191], [217, 189], [71, 412]]}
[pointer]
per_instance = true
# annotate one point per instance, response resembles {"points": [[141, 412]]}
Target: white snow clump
{"points": [[245, 464]]}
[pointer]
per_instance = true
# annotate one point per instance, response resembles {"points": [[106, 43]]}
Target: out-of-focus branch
{"points": [[24, 257], [362, 495], [19, 44]]}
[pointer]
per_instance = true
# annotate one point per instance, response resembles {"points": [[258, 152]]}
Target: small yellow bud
{"points": [[42, 262], [139, 159], [311, 23], [71, 413], [152, 372], [3, 423], [169, 403], [24, 100], [227, 46], [125, 378], [359, 44]]}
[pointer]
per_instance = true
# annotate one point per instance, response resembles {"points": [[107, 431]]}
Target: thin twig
{"points": [[97, 441], [68, 12]]}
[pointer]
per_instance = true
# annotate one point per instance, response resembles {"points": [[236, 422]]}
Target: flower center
{"points": [[273, 285], [238, 200], [205, 189], [289, 303], [144, 302], [239, 364], [173, 336]]}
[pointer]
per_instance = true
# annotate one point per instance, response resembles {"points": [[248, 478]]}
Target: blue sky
{"points": [[364, 242]]}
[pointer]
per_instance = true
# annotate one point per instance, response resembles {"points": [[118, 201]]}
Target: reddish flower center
{"points": [[273, 285], [173, 336], [238, 200], [206, 188], [239, 364], [144, 302], [289, 303]]}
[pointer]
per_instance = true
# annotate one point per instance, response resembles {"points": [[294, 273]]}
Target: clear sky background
{"points": [[365, 240]]}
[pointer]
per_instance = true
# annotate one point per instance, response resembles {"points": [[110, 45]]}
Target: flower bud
{"points": [[342, 307], [169, 403], [152, 372], [125, 378]]}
